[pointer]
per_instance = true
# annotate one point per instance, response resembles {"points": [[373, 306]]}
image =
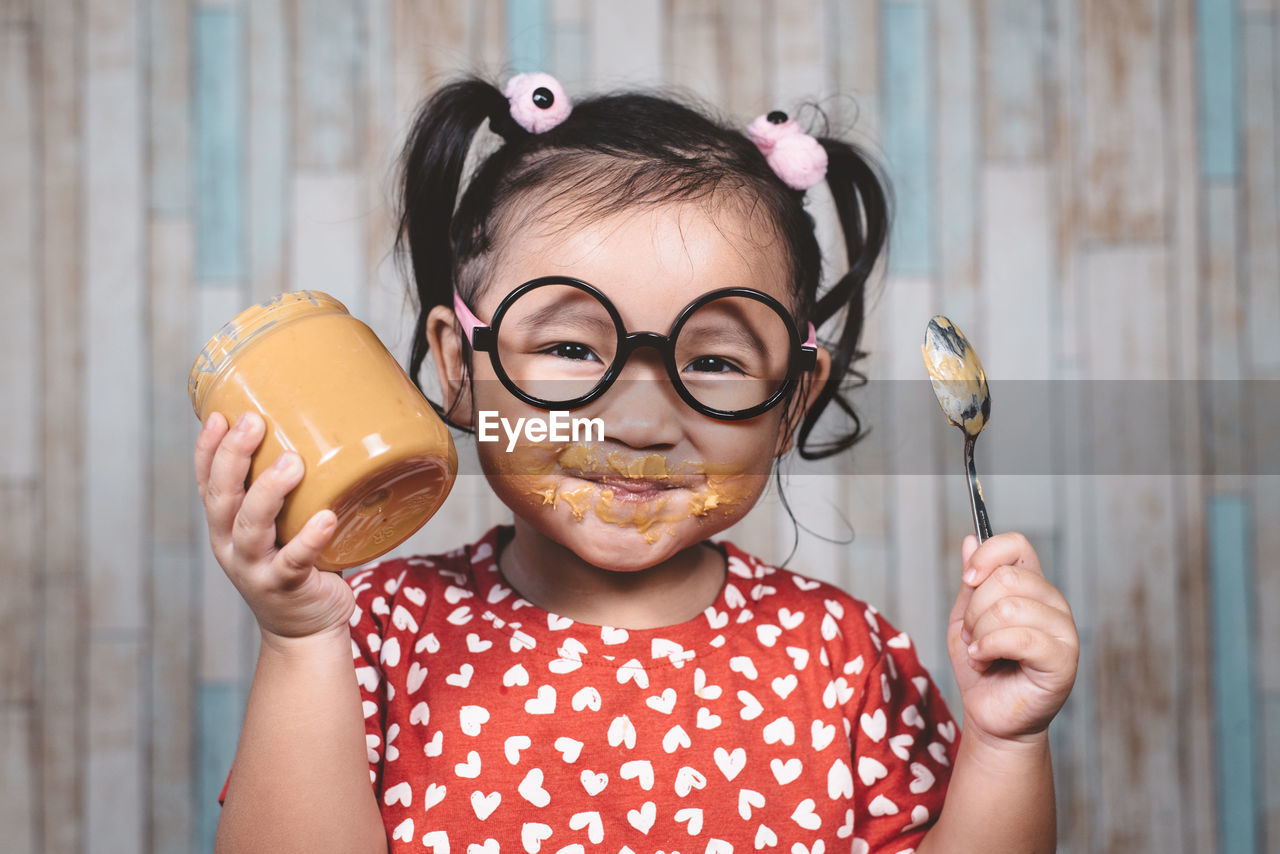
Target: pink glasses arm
{"points": [[468, 320], [811, 341]]}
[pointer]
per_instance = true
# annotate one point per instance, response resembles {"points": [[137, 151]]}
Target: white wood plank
{"points": [[327, 251], [115, 756], [19, 347], [488, 37], [19, 575], [798, 48], [1199, 823], [1122, 189], [746, 62], [268, 148], [569, 53], [1136, 653], [957, 147], [1015, 346], [1066, 83], [114, 312], [626, 44], [168, 46], [63, 612], [815, 492], [15, 13], [1271, 769], [1260, 186], [853, 54], [429, 48], [386, 308], [921, 602], [62, 739], [694, 35], [172, 678], [1017, 229], [171, 641], [19, 808], [957, 224]]}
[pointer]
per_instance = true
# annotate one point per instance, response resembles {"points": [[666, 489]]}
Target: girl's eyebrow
{"points": [[731, 333], [572, 314]]}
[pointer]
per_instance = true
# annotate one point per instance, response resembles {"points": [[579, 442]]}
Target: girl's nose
{"points": [[642, 409]]}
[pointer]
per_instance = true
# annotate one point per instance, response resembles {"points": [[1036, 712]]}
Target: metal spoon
{"points": [[960, 384]]}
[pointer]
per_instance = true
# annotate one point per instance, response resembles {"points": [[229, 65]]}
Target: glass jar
{"points": [[375, 452]]}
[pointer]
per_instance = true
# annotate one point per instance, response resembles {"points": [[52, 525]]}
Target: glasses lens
{"points": [[733, 353], [555, 342]]}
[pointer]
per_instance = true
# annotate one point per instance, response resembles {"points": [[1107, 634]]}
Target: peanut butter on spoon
{"points": [[960, 384]]}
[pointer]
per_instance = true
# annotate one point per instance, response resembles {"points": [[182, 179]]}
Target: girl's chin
{"points": [[619, 548]]}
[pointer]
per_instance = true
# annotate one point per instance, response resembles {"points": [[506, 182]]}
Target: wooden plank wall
{"points": [[1090, 188]]}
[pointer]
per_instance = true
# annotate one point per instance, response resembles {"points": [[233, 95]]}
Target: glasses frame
{"points": [[483, 337]]}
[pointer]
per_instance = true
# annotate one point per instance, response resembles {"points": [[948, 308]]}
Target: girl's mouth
{"points": [[631, 488]]}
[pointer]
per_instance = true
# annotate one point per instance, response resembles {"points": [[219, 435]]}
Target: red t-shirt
{"points": [[788, 715]]}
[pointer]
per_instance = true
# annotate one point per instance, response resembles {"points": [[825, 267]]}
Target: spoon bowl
{"points": [[960, 384]]}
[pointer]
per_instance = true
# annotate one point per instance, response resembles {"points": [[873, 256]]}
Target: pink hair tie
{"points": [[794, 156], [538, 101]]}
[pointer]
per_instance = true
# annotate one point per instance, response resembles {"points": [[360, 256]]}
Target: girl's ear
{"points": [[444, 341], [813, 384]]}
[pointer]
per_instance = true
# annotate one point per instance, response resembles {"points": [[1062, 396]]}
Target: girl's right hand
{"points": [[289, 597]]}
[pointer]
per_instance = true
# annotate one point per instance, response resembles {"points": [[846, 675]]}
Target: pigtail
{"points": [[431, 171], [862, 203]]}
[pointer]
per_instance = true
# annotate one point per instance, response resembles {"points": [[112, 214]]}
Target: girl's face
{"points": [[664, 477]]}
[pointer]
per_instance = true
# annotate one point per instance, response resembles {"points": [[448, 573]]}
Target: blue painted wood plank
{"points": [[908, 135], [1234, 689], [219, 155], [219, 715], [1217, 39], [527, 33]]}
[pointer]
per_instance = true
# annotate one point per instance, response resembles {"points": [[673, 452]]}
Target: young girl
{"points": [[600, 675]]}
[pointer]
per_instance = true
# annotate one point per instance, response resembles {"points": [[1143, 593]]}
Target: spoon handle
{"points": [[981, 523]]}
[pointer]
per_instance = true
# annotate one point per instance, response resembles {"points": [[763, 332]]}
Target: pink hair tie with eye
{"points": [[794, 156], [538, 101]]}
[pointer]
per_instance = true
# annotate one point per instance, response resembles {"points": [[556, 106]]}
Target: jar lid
{"points": [[244, 328]]}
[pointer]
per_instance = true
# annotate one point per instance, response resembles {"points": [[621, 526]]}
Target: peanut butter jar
{"points": [[376, 453]]}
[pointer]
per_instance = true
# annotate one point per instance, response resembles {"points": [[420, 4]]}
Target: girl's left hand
{"points": [[1012, 640]]}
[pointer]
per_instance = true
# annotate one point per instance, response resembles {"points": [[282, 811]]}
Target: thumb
{"points": [[967, 548]]}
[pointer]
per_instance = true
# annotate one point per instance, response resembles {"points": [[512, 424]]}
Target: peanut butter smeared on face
{"points": [[959, 382], [683, 490]]}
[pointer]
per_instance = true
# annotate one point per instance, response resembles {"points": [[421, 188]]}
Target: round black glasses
{"points": [[559, 343]]}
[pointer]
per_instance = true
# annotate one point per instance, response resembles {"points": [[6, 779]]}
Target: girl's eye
{"points": [[714, 365], [571, 350]]}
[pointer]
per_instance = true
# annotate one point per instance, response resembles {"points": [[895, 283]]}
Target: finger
{"points": [[1034, 651], [1013, 611], [1007, 549], [300, 554], [1012, 581], [211, 433], [967, 547], [225, 488], [254, 532]]}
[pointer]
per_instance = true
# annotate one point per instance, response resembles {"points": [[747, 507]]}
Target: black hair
{"points": [[616, 151]]}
